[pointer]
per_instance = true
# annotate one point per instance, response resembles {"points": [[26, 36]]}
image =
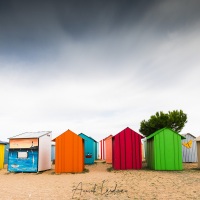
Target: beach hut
{"points": [[145, 148], [96, 150], [143, 151], [102, 149], [53, 153], [6, 150], [89, 149], [30, 152], [126, 150], [69, 152], [198, 150], [164, 150], [189, 148], [2, 152], [108, 149]]}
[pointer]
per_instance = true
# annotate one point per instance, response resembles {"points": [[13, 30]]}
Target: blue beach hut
{"points": [[96, 150], [30, 152], [90, 149], [6, 153]]}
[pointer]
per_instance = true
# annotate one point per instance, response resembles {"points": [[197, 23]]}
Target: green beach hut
{"points": [[164, 150]]}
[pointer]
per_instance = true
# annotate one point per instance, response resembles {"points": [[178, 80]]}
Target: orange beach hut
{"points": [[69, 152], [108, 149]]}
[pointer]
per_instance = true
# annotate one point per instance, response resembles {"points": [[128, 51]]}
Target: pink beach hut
{"points": [[108, 149]]}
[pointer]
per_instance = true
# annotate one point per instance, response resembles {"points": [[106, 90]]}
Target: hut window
{"points": [[22, 154]]}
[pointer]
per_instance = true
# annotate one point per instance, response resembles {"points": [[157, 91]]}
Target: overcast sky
{"points": [[97, 67]]}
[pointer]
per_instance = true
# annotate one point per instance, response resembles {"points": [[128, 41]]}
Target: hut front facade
{"points": [[108, 149], [53, 153], [6, 153], [69, 152], [164, 150], [198, 150], [2, 152], [143, 151], [89, 149], [102, 150], [189, 148], [30, 152], [126, 150], [96, 150]]}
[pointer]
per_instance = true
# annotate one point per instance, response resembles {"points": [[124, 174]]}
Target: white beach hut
{"points": [[189, 148]]}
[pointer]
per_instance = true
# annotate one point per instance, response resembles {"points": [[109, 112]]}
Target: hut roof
{"points": [[197, 139], [188, 134], [129, 129], [31, 134], [88, 137], [2, 142], [157, 132], [108, 137], [66, 132]]}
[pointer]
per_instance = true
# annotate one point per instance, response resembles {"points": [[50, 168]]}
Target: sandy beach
{"points": [[99, 183]]}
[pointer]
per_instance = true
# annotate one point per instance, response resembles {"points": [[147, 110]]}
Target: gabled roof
{"points": [[188, 134], [108, 137], [129, 129], [88, 136], [66, 132], [31, 135], [157, 132]]}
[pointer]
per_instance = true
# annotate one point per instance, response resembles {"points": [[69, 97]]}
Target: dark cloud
{"points": [[96, 63], [35, 31]]}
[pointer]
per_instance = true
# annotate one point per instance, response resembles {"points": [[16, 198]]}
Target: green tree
{"points": [[173, 119]]}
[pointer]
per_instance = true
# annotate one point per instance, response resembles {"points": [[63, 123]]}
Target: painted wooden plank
{"points": [[129, 149], [2, 149], [117, 153], [122, 150]]}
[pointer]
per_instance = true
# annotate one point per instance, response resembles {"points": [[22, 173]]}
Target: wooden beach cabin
{"points": [[89, 149], [126, 150], [164, 150], [189, 148], [53, 153], [106, 153], [198, 150], [143, 151], [108, 149], [6, 153], [30, 152], [102, 149], [69, 152], [96, 150], [2, 153]]}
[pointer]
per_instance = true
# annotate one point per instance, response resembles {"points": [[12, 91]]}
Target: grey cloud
{"points": [[96, 67], [35, 31]]}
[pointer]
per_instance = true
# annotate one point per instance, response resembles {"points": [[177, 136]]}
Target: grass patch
{"points": [[38, 173], [110, 169], [86, 170], [7, 173]]}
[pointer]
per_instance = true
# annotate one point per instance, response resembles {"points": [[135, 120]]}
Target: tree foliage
{"points": [[173, 119]]}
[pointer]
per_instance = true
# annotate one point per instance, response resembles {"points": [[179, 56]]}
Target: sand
{"points": [[98, 183]]}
